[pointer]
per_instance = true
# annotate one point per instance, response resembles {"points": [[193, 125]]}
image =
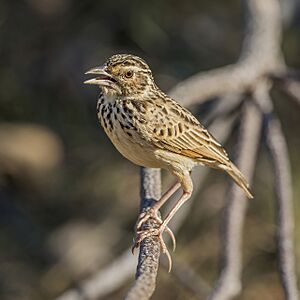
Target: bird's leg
{"points": [[187, 185], [152, 212], [162, 228], [185, 196]]}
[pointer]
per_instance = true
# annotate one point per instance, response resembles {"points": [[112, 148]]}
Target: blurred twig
{"points": [[285, 217], [103, 282], [229, 283], [289, 82], [260, 55], [189, 279]]}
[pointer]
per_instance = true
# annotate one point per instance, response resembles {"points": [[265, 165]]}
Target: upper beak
{"points": [[102, 77]]}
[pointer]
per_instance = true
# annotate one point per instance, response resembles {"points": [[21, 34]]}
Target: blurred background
{"points": [[68, 200]]}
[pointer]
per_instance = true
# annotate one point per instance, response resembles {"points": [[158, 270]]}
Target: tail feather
{"points": [[238, 177]]}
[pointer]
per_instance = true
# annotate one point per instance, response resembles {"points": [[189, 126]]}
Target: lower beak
{"points": [[102, 78]]}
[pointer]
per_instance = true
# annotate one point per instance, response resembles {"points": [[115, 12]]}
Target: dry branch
{"points": [[190, 280], [289, 82], [144, 285], [285, 216], [260, 55], [103, 282], [229, 283]]}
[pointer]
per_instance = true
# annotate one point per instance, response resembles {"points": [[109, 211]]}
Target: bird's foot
{"points": [[153, 214], [156, 232], [145, 216]]}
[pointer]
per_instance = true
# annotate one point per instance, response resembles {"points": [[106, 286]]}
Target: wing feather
{"points": [[175, 129]]}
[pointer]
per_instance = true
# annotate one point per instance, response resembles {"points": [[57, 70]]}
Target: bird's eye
{"points": [[128, 74]]}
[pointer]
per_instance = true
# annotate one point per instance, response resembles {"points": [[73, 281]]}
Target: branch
{"points": [[147, 268], [104, 281], [229, 282], [289, 82], [285, 217], [261, 55], [189, 279]]}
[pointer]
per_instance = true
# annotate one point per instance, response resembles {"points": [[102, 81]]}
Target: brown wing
{"points": [[171, 127], [175, 129]]}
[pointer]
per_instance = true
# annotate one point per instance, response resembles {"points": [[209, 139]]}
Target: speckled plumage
{"points": [[151, 129]]}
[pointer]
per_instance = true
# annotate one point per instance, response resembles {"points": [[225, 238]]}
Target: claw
{"points": [[133, 248], [166, 251], [172, 236], [142, 234]]}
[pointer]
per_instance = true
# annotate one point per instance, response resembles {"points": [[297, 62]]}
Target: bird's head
{"points": [[123, 75]]}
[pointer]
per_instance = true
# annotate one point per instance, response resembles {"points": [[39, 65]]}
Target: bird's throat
{"points": [[109, 94]]}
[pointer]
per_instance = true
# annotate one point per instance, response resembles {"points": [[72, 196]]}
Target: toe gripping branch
{"points": [[150, 224]]}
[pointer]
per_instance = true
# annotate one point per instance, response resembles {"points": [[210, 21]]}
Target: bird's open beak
{"points": [[103, 77]]}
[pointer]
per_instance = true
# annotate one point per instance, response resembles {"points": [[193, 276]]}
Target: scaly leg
{"points": [[162, 227], [153, 211], [187, 185]]}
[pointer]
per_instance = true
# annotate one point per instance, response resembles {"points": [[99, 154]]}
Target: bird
{"points": [[151, 129]]}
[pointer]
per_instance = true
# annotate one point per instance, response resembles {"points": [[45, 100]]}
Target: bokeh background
{"points": [[68, 200]]}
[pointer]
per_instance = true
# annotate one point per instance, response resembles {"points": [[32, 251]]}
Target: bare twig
{"points": [[285, 216], [229, 282], [260, 55], [189, 279], [104, 281], [289, 82], [292, 88]]}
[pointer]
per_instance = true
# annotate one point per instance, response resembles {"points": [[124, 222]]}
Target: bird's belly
{"points": [[134, 149]]}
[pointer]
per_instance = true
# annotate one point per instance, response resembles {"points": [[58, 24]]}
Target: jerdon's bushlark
{"points": [[153, 130]]}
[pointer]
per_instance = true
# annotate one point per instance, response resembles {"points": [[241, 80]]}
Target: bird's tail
{"points": [[238, 177]]}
